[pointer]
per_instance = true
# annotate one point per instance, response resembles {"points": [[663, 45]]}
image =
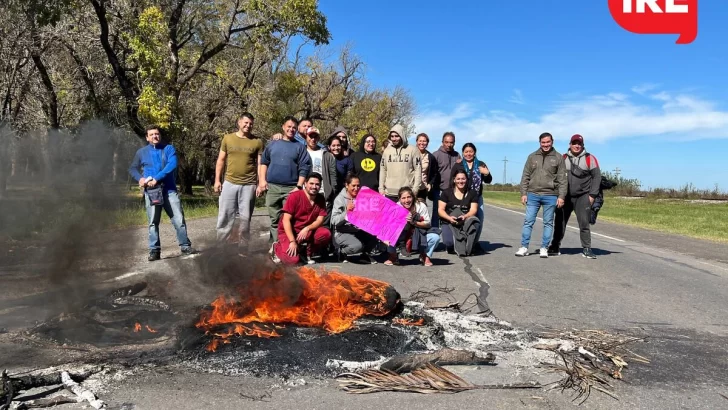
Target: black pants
{"points": [[581, 206]]}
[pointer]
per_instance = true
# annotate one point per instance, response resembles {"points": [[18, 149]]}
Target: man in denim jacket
{"points": [[154, 166]]}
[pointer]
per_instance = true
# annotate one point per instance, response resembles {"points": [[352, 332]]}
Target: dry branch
{"points": [[430, 378], [588, 359], [406, 363], [79, 391]]}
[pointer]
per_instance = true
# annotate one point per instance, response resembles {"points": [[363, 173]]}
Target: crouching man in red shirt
{"points": [[301, 224]]}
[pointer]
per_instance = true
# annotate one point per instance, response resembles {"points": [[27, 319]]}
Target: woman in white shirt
{"points": [[418, 229]]}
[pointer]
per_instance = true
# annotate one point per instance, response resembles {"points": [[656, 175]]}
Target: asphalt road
{"points": [[670, 289]]}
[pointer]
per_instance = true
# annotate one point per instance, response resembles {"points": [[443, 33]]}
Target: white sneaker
{"points": [[522, 251], [543, 252]]}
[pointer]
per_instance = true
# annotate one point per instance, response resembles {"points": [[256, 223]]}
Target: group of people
{"points": [[310, 185]]}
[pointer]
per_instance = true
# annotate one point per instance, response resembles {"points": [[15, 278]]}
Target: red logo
{"points": [[658, 17]]}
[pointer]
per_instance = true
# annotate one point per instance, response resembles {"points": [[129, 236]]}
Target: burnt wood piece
{"points": [[127, 290], [406, 363], [12, 385], [49, 402], [134, 300]]}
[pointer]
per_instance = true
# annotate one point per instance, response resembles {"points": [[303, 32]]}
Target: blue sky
{"points": [[498, 73]]}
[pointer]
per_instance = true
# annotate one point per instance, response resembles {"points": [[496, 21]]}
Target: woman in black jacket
{"points": [[478, 175], [367, 162]]}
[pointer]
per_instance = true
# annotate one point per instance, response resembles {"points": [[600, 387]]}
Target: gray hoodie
{"points": [[585, 177], [400, 167], [338, 213]]}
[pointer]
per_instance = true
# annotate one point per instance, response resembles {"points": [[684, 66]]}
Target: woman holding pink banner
{"points": [[348, 239], [418, 229]]}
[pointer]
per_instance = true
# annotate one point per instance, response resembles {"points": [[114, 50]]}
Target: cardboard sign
{"points": [[375, 214]]}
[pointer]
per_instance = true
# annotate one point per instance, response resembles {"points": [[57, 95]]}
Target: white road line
{"points": [[570, 227], [124, 276], [711, 265]]}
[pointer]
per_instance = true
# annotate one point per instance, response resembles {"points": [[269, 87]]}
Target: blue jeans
{"points": [[173, 207], [533, 203], [432, 240], [434, 216], [480, 215]]}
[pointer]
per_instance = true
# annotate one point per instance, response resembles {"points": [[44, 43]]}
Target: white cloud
{"points": [[599, 118], [517, 97], [642, 89]]}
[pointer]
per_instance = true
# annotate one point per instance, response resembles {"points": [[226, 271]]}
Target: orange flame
{"points": [[137, 327], [332, 301], [149, 329], [408, 322]]}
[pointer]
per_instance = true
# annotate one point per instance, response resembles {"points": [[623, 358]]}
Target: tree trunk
{"points": [[185, 173], [3, 182]]}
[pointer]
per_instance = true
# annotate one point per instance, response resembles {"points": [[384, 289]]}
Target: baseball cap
{"points": [[577, 137], [313, 130]]}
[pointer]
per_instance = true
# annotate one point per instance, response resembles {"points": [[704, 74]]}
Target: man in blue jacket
{"points": [[154, 166], [284, 166]]}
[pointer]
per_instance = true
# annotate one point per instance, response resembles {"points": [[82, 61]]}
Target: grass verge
{"points": [[697, 220], [197, 206]]}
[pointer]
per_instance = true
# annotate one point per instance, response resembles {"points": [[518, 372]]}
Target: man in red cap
{"points": [[584, 177]]}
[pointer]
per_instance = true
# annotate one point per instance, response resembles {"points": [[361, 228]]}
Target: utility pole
{"points": [[505, 161], [616, 172]]}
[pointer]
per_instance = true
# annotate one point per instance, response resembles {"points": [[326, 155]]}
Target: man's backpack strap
{"points": [[588, 159]]}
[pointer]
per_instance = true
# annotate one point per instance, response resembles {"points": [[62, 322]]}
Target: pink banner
{"points": [[375, 214]]}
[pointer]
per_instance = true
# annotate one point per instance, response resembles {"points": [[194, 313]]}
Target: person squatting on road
{"points": [[585, 178], [284, 167], [458, 207], [543, 183], [400, 165], [158, 164], [417, 233], [478, 175], [240, 154], [348, 239], [301, 227]]}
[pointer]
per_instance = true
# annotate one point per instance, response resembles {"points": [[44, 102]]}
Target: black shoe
{"points": [[451, 250], [478, 249], [367, 259], [154, 256], [554, 251], [587, 253], [188, 250]]}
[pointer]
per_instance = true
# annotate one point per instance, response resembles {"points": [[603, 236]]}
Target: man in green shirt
{"points": [[240, 154]]}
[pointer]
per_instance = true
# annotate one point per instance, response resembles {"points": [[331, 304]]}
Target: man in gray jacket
{"points": [[446, 158], [543, 183], [584, 177]]}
